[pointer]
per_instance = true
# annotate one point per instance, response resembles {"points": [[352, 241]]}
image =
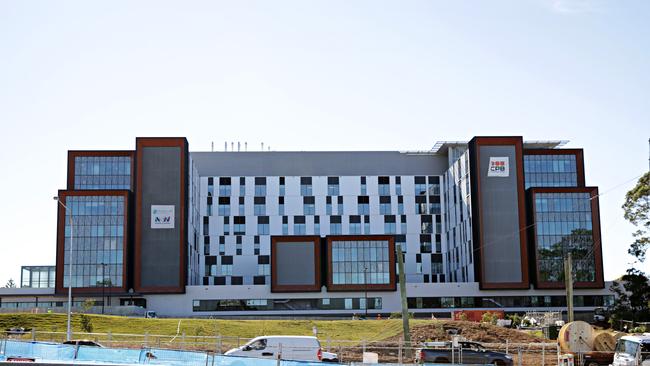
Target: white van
{"points": [[632, 351], [299, 348]]}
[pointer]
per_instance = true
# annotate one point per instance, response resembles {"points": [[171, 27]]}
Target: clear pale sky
{"points": [[316, 75]]}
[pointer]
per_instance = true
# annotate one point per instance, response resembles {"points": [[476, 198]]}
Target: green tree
{"points": [[632, 293], [637, 211]]}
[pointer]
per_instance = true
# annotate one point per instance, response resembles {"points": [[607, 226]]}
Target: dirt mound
{"points": [[479, 332]]}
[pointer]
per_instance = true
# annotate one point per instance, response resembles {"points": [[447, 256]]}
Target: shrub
{"points": [[86, 323], [490, 318]]}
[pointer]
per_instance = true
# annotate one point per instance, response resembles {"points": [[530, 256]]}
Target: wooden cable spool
{"points": [[604, 341], [576, 336]]}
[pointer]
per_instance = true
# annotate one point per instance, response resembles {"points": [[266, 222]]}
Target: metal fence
{"points": [[398, 352]]}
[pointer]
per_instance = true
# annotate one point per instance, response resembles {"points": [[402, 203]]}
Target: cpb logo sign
{"points": [[162, 216], [499, 167]]}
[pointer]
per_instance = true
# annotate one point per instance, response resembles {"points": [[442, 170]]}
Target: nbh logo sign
{"points": [[162, 216], [499, 167]]}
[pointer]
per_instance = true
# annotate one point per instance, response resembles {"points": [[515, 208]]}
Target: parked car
{"points": [[467, 352], [83, 342], [632, 351], [330, 357], [299, 348]]}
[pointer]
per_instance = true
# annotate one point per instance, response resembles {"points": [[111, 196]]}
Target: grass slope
{"points": [[355, 330]]}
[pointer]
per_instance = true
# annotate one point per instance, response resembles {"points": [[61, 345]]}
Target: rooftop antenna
{"points": [[212, 148], [238, 146], [232, 146], [262, 146], [269, 148], [245, 146], [225, 146]]}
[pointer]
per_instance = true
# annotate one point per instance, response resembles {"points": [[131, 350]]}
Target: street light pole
{"points": [[69, 329]]}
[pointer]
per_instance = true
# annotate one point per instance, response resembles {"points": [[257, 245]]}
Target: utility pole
{"points": [[405, 306], [568, 281]]}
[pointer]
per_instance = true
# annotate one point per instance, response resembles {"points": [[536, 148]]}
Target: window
{"points": [[425, 243], [308, 205], [226, 225], [281, 206], [224, 206], [398, 186], [332, 186], [242, 206], [403, 224], [426, 224], [262, 226], [363, 205], [389, 224], [226, 266], [355, 225], [434, 186], [299, 225], [384, 186], [550, 170], [209, 206], [305, 186], [360, 262], [328, 205], [282, 191], [420, 186], [224, 186], [99, 223], [384, 205], [240, 225], [434, 205], [339, 208], [102, 172], [259, 207], [366, 225], [400, 205], [242, 186], [285, 225], [316, 225], [260, 186], [421, 205], [210, 187], [335, 225], [364, 188]]}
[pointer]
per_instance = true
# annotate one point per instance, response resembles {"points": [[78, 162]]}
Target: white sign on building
{"points": [[499, 167], [162, 216]]}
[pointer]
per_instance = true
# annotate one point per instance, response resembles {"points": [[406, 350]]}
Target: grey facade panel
{"points": [[500, 218], [160, 261], [295, 264], [303, 163]]}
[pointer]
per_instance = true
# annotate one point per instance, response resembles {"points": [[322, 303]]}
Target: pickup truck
{"points": [[467, 352]]}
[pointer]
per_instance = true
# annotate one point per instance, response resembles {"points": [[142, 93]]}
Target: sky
{"points": [[316, 75]]}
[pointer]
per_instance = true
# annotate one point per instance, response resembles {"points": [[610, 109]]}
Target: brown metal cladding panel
{"points": [[474, 147], [279, 240], [60, 243], [595, 222], [369, 287], [143, 142]]}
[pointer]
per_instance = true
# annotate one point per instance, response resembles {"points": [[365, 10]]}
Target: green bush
{"points": [[86, 323], [398, 315], [490, 318]]}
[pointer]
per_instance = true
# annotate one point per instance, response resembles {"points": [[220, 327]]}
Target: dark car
{"points": [[83, 342], [467, 352]]}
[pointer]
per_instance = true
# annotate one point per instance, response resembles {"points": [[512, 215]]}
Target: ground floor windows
{"points": [[350, 303]]}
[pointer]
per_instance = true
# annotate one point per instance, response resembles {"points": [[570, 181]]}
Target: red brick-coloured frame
{"points": [[72, 154], [596, 235], [578, 153], [477, 222], [143, 142], [279, 240], [391, 286], [60, 242]]}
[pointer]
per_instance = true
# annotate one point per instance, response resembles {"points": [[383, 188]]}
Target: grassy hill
{"points": [[356, 330]]}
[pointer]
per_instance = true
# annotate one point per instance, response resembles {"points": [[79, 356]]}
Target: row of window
{"points": [[386, 206], [507, 301], [286, 304], [423, 186], [550, 171]]}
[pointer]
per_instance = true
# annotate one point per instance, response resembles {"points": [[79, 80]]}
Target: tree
{"points": [[10, 283], [637, 212], [632, 293]]}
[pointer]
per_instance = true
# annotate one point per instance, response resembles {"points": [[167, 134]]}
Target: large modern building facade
{"points": [[481, 224]]}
